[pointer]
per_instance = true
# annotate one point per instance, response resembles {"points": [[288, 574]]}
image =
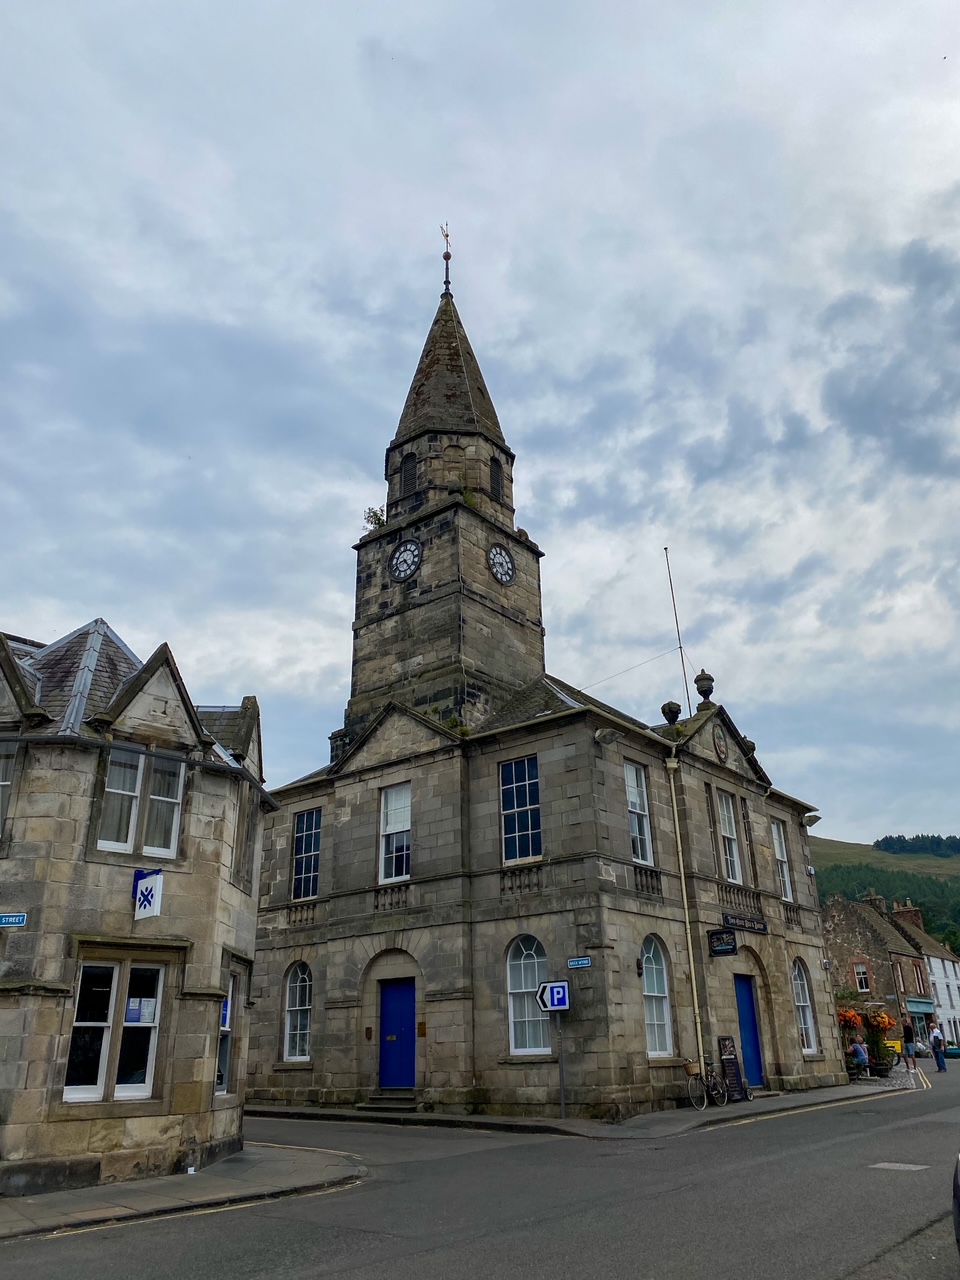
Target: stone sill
{"points": [[293, 1066], [522, 1060], [110, 1109], [653, 1062], [814, 1057]]}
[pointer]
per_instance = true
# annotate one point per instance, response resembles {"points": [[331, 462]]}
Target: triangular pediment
{"points": [[396, 734], [9, 710], [16, 698], [714, 736], [154, 704]]}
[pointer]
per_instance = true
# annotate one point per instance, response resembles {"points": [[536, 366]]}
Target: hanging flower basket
{"points": [[849, 1019]]}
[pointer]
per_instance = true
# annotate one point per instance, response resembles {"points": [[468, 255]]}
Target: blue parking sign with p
{"points": [[554, 997]]}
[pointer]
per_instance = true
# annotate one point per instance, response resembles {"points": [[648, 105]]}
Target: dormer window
{"points": [[142, 798], [408, 475], [496, 479]]}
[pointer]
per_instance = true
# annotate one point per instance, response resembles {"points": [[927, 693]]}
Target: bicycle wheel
{"points": [[747, 1092], [718, 1090], [697, 1092]]}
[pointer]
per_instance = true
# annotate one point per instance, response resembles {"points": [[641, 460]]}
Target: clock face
{"points": [[501, 564], [405, 561]]}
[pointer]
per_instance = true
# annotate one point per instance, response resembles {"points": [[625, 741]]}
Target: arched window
{"points": [[656, 1000], [526, 969], [801, 998], [408, 475], [496, 479], [296, 1037]]}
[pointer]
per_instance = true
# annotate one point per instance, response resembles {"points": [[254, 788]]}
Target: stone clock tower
{"points": [[448, 613]]}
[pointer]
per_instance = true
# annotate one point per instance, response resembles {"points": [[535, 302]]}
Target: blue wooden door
{"points": [[398, 1033], [749, 1029]]}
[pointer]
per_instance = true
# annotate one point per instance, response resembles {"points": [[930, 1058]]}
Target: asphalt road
{"points": [[792, 1196]]}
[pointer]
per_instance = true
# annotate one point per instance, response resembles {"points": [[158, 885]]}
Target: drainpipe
{"points": [[673, 764]]}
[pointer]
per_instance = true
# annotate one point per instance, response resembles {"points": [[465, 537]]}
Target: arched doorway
{"points": [[392, 991], [752, 1004]]}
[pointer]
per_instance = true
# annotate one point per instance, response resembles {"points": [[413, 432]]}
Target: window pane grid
{"points": [[639, 813], [396, 838], [520, 809], [656, 999], [299, 1003], [306, 854], [526, 969], [163, 807], [118, 819], [783, 866], [728, 835], [801, 999], [7, 755]]}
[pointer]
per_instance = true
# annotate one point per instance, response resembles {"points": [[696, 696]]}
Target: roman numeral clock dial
{"points": [[501, 564], [405, 560]]}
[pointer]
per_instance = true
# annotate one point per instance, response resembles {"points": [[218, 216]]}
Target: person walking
{"points": [[909, 1046], [937, 1045]]}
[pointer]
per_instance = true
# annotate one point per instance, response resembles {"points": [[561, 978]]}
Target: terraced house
{"points": [[130, 832], [481, 824]]}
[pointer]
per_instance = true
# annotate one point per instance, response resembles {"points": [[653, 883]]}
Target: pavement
{"points": [[266, 1171]]}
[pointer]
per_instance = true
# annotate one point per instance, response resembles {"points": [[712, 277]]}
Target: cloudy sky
{"points": [[708, 256]]}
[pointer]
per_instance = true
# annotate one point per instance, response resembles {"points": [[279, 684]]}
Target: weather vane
{"points": [[447, 255]]}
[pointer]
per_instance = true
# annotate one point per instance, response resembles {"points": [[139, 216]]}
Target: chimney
{"points": [[873, 899], [908, 913]]}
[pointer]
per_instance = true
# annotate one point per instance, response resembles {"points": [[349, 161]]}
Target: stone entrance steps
{"points": [[390, 1100]]}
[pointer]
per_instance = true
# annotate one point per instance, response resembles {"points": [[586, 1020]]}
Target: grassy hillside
{"points": [[844, 853]]}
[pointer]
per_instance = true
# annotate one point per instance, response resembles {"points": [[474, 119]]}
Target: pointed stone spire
{"points": [[448, 392]]}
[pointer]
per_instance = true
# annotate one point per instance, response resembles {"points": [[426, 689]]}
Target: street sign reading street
{"points": [[553, 997], [13, 920], [580, 962]]}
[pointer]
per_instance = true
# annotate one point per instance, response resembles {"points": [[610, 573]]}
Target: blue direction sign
{"points": [[580, 962], [13, 920], [553, 997]]}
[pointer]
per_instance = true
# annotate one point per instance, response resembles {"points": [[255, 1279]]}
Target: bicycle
{"points": [[701, 1087]]}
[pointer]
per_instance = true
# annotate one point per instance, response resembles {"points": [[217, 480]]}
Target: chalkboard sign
{"points": [[722, 942], [730, 1067]]}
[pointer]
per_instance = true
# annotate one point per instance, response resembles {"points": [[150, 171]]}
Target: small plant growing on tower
{"points": [[374, 518]]}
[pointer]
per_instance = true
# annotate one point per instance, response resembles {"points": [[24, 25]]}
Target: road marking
{"points": [[259, 1203], [923, 1079], [795, 1111], [902, 1168]]}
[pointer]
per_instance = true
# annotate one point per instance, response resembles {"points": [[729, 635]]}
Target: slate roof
{"points": [[83, 673], [547, 695], [889, 935], [448, 392], [233, 727], [922, 940]]}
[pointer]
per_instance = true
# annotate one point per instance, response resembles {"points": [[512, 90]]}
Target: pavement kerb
{"points": [[168, 1211], [687, 1119]]}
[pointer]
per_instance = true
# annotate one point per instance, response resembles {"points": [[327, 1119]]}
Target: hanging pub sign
{"points": [[722, 942], [750, 924], [730, 1066]]}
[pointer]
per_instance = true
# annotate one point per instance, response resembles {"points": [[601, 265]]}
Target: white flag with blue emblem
{"points": [[147, 892]]}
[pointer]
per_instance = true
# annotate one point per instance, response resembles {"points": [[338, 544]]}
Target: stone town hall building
{"points": [[482, 822]]}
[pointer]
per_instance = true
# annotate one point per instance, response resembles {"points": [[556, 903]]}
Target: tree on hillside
{"points": [[938, 898], [938, 846]]}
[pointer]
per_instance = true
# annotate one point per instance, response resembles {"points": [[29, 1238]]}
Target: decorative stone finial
{"points": [[447, 255], [704, 685], [671, 712]]}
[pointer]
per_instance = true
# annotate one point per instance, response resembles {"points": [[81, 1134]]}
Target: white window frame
{"points": [[175, 802], [8, 758], [861, 976], [657, 1017], [803, 1005], [142, 802], [528, 787], [117, 846], [898, 974], [732, 866], [638, 809], [314, 836], [94, 1092], [145, 1090], [778, 829], [920, 978], [295, 979], [225, 1039], [526, 969], [395, 820]]}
